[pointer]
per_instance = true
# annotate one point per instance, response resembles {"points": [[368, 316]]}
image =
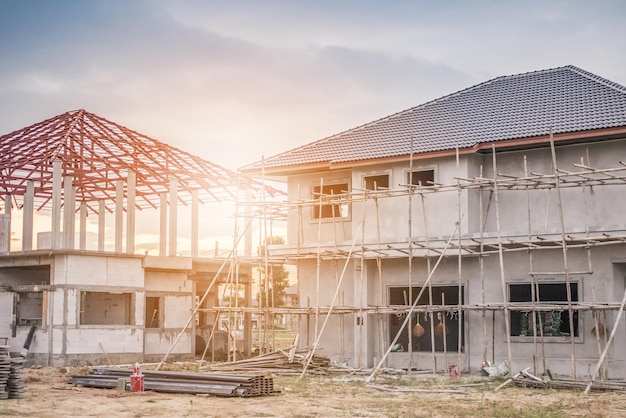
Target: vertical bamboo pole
{"points": [[444, 331], [318, 259], [481, 265], [594, 314], [568, 284], [381, 320], [507, 313], [533, 284], [430, 288], [459, 262], [410, 260]]}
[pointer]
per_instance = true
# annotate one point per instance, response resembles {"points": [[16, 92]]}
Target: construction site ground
{"points": [[420, 395]]}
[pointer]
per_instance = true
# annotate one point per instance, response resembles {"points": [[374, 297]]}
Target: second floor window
{"points": [[333, 201], [421, 177], [376, 182]]}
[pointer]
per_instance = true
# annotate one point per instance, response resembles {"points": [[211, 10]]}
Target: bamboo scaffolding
{"points": [[465, 245]]}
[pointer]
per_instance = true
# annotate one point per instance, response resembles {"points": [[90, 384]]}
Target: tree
{"points": [[277, 276]]}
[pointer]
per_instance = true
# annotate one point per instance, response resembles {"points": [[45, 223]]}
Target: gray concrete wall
{"points": [[600, 209]]}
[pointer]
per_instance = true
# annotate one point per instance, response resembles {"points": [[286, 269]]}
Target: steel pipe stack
{"points": [[227, 385]]}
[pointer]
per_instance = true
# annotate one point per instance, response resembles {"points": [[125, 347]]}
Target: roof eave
{"points": [[283, 171]]}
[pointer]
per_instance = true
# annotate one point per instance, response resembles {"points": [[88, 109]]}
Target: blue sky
{"points": [[233, 81]]}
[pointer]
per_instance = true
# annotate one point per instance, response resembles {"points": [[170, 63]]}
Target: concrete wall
{"points": [[600, 209], [101, 271]]}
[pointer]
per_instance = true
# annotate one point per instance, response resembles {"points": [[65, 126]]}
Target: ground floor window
{"points": [[104, 308], [153, 312], [29, 308], [444, 326], [554, 323]]}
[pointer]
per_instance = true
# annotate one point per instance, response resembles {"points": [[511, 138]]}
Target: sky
{"points": [[237, 81]]}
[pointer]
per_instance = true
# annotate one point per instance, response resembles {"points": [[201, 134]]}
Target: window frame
{"points": [[315, 209], [516, 316], [127, 298], [408, 177], [386, 173], [452, 325], [159, 315]]}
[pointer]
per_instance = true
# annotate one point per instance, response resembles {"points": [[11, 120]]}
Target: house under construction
{"points": [[484, 226], [80, 296]]}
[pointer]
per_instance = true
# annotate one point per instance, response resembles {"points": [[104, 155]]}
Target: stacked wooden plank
{"points": [[227, 385], [289, 361]]}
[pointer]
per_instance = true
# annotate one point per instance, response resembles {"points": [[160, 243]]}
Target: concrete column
{"points": [[119, 215], [173, 216], [247, 320], [82, 240], [5, 227], [130, 212], [361, 352], [101, 224], [69, 217], [194, 223], [247, 239], [163, 225], [55, 233], [27, 221]]}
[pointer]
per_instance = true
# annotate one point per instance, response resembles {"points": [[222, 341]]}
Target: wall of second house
{"points": [[433, 214], [484, 333], [303, 225], [605, 285], [387, 218], [598, 208], [325, 287], [175, 298]]}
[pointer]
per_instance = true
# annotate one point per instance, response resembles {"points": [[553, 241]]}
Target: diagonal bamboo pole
{"points": [[343, 273], [608, 343], [413, 305], [206, 293]]}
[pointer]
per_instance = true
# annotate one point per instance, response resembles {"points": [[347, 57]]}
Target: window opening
{"points": [[103, 308], [376, 182], [555, 322], [153, 312], [334, 193], [29, 308], [421, 177], [446, 324]]}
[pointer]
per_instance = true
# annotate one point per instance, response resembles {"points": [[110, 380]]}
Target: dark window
{"points": [[421, 177], [554, 323], [331, 197], [376, 182], [444, 324], [153, 312]]}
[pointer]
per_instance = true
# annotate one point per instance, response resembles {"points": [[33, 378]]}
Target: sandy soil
{"points": [[49, 395]]}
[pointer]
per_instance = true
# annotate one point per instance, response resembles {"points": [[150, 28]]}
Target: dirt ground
{"points": [[49, 395]]}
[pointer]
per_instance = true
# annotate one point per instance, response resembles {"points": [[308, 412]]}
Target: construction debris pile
{"points": [[215, 384], [11, 379], [290, 361], [526, 379]]}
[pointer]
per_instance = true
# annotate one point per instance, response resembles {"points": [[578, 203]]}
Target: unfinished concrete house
{"points": [[484, 226], [75, 304]]}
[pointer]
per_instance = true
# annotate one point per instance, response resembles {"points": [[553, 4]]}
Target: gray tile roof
{"points": [[568, 99]]}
